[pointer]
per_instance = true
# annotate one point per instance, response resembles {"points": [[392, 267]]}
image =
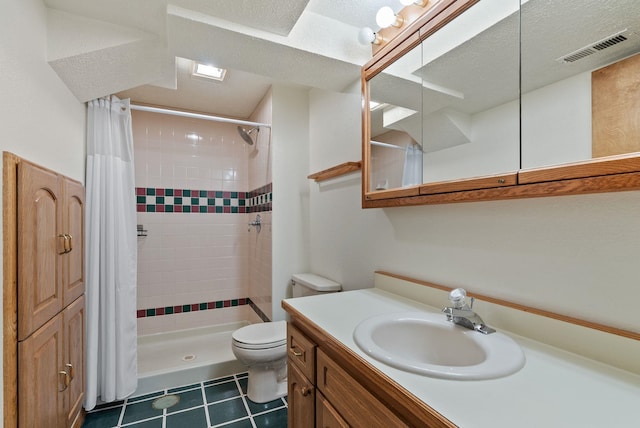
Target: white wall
{"points": [[556, 122], [41, 120], [290, 217], [575, 255]]}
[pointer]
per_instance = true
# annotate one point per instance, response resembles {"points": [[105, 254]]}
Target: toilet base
{"points": [[267, 383]]}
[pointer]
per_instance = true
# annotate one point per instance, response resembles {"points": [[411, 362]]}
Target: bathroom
{"points": [[574, 255]]}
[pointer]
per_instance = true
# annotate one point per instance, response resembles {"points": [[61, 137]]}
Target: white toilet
{"points": [[262, 347]]}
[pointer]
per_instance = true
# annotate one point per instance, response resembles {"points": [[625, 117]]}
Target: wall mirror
{"points": [[448, 108], [499, 99], [471, 92], [396, 123], [580, 85]]}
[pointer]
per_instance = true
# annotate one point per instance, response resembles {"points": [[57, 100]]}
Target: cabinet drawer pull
{"points": [[305, 391], [295, 351], [66, 380], [70, 242]]}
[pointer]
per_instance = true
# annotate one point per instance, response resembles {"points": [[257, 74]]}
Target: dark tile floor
{"points": [[215, 403]]}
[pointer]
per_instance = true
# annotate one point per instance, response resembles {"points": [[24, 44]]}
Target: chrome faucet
{"points": [[460, 312]]}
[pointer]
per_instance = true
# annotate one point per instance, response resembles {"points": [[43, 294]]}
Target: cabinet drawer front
{"points": [[302, 352], [356, 405]]}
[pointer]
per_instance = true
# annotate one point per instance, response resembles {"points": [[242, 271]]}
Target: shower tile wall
{"points": [[190, 258]]}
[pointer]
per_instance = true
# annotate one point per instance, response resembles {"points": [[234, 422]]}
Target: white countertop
{"points": [[554, 389]]}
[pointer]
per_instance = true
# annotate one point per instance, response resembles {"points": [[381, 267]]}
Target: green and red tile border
{"points": [[165, 200], [205, 306]]}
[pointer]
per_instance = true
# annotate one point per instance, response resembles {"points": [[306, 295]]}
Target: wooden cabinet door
{"points": [[301, 399], [41, 387], [358, 407], [40, 294], [326, 415], [73, 226], [74, 317]]}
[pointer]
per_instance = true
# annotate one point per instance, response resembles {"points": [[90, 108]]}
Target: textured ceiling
{"points": [[143, 49]]}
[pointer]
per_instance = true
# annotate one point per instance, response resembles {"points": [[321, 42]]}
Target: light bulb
{"points": [[421, 3], [386, 17], [367, 36]]}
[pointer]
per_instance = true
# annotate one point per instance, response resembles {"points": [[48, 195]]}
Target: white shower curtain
{"points": [[111, 259], [412, 172]]}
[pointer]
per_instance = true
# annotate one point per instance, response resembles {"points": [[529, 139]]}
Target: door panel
{"points": [[39, 244], [74, 361], [74, 228], [41, 387]]}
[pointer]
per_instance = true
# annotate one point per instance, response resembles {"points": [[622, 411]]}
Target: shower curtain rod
{"points": [[393, 146], [197, 116]]}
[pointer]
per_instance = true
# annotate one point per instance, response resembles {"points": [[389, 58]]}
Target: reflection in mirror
{"points": [[580, 80], [449, 108], [396, 124], [470, 87]]}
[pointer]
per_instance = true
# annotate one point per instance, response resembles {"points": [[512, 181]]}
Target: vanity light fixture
{"points": [[386, 17], [367, 36], [208, 71], [421, 3]]}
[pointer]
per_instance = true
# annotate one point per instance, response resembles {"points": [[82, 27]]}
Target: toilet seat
{"points": [[261, 336]]}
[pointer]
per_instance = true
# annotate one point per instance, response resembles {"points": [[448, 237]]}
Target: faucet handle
{"points": [[458, 298]]}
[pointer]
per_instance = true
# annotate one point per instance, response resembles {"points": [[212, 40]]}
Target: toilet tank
{"points": [[309, 284]]}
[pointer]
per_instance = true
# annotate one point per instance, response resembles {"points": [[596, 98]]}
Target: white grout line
{"points": [[244, 401], [206, 406]]}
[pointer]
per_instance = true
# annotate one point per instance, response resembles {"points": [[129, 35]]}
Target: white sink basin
{"points": [[427, 344]]}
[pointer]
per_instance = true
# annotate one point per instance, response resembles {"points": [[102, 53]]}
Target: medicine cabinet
{"points": [[499, 99]]}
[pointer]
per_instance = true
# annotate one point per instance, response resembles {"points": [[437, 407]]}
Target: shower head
{"points": [[246, 135]]}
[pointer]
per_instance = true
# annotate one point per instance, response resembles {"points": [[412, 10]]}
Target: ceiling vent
{"points": [[605, 43]]}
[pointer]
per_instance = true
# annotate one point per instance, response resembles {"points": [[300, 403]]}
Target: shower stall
{"points": [[202, 271]]}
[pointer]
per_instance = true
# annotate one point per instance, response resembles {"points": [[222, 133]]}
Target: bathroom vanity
{"points": [[333, 383]]}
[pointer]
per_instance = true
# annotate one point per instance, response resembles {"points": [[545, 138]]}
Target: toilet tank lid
{"points": [[316, 282]]}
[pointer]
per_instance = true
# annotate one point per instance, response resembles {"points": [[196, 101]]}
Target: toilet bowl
{"points": [[262, 347]]}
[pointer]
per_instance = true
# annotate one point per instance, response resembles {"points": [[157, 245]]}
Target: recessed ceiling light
{"points": [[209, 71]]}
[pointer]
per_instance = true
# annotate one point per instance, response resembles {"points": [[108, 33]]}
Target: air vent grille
{"points": [[578, 55], [600, 45], [610, 42]]}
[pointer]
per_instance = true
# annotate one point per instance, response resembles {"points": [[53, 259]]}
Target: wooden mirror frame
{"points": [[607, 174]]}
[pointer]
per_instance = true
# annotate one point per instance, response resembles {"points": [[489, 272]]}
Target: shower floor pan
{"points": [[177, 358]]}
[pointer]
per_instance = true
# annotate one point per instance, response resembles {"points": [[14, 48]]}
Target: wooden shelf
{"points": [[335, 171]]}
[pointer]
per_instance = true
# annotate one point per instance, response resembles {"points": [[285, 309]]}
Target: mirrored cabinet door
{"points": [[396, 124], [470, 92], [580, 81]]}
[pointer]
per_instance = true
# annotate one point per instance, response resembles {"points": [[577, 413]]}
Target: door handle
{"points": [[65, 244], [70, 370], [66, 380], [70, 242]]}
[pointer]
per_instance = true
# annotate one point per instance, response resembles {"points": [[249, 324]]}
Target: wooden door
{"points": [[73, 317], [301, 399], [40, 294], [41, 386], [73, 224], [326, 415]]}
